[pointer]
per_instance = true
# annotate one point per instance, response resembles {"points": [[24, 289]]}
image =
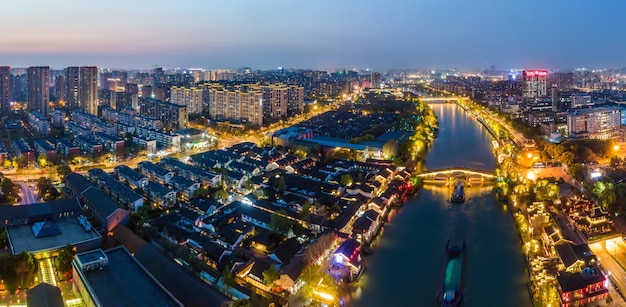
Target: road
{"points": [[618, 275], [29, 195]]}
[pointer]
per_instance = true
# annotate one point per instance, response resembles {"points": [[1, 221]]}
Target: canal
{"points": [[405, 268]]}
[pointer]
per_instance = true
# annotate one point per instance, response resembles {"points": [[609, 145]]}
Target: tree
{"points": [[578, 171], [390, 148], [279, 223], [42, 160], [567, 158], [315, 280], [346, 179], [221, 195], [63, 170], [546, 191], [7, 186], [63, 261], [242, 303], [4, 240], [271, 275], [25, 267], [227, 277], [306, 211], [201, 192], [280, 185]]}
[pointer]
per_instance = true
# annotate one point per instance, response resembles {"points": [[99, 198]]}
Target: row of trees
{"points": [[413, 149]]}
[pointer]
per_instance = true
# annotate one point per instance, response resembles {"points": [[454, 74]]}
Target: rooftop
{"points": [[23, 239], [101, 201], [190, 290], [125, 278]]}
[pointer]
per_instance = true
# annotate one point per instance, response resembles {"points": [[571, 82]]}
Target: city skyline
{"points": [[428, 34]]}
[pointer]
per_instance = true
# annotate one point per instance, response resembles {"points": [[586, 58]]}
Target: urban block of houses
{"points": [[120, 192], [155, 172], [104, 210]]}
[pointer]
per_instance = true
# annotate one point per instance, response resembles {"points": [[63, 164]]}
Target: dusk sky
{"points": [[314, 34]]}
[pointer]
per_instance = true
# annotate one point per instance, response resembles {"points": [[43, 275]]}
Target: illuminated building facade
{"points": [[38, 91], [534, 83], [595, 123], [5, 90]]}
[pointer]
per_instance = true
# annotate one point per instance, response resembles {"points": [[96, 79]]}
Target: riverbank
{"points": [[406, 264]]}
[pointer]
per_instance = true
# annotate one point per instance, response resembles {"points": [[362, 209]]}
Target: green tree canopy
{"points": [[346, 179], [63, 170], [63, 262], [270, 275]]}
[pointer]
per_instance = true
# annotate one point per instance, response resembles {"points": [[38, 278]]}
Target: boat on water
{"points": [[458, 194], [451, 291]]}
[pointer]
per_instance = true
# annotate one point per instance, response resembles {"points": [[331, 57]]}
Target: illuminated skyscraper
{"points": [[82, 88], [88, 89], [534, 84], [5, 89], [38, 89], [376, 80], [71, 82]]}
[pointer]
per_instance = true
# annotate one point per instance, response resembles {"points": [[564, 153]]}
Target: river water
{"points": [[405, 269]]}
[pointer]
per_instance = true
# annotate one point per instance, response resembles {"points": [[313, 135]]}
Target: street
{"points": [[618, 275], [29, 195]]}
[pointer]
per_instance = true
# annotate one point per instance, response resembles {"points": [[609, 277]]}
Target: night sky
{"points": [[321, 34]]}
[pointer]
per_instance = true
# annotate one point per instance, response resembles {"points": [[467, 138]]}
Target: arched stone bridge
{"points": [[444, 174]]}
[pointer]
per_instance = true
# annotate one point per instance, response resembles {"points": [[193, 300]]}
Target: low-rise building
{"points": [[104, 210], [38, 123], [119, 191], [155, 172], [67, 148], [47, 227], [146, 143], [191, 172], [102, 278], [89, 146], [111, 144], [45, 147], [185, 187], [132, 177], [160, 196], [21, 148]]}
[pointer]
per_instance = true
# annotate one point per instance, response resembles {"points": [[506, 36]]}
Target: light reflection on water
{"points": [[406, 265]]}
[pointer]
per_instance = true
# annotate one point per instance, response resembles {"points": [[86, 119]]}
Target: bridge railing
{"points": [[457, 169]]}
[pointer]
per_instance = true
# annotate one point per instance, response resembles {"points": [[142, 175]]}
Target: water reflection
{"points": [[406, 265]]}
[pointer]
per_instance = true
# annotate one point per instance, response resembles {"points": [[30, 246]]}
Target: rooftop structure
{"points": [[24, 238], [115, 278]]}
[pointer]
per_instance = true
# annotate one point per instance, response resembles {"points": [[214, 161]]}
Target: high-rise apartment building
{"points": [[295, 100], [563, 80], [88, 89], [60, 88], [5, 90], [253, 103], [82, 88], [376, 80], [38, 89], [72, 81], [191, 97], [242, 104], [274, 101], [534, 84], [171, 115]]}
